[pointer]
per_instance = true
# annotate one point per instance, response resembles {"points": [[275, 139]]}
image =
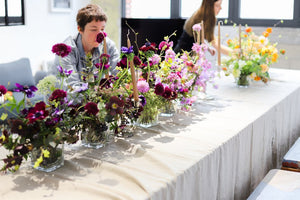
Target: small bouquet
{"points": [[252, 57]]}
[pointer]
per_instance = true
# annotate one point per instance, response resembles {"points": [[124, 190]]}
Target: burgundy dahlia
{"points": [[101, 36], [122, 63], [159, 89], [137, 61], [61, 49], [168, 93], [91, 108], [58, 95], [3, 90]]}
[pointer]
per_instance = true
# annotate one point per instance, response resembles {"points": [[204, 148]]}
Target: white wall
{"points": [[41, 31]]}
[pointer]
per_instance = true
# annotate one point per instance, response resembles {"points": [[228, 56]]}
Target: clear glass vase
{"points": [[148, 117], [95, 138], [168, 109], [243, 81], [126, 128], [40, 159]]}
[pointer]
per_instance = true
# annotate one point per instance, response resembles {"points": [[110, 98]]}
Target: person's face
{"points": [[217, 7], [90, 32]]}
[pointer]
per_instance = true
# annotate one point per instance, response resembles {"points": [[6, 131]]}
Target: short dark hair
{"points": [[89, 13]]}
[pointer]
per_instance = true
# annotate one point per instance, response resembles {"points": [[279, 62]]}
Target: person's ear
{"points": [[79, 29]]}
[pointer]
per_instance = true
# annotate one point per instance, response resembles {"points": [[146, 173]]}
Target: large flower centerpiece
{"points": [[252, 57]]}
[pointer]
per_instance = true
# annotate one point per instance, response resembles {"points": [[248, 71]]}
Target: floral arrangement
{"points": [[252, 56], [36, 128], [101, 104]]}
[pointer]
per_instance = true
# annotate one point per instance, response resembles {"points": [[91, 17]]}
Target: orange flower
{"points": [[282, 51], [269, 30], [237, 46], [257, 78], [265, 33], [248, 30], [274, 57], [229, 42], [245, 35], [224, 68]]}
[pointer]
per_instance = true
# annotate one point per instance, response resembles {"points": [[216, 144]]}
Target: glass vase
{"points": [[168, 109], [125, 129], [243, 81], [48, 163], [148, 117], [95, 138]]}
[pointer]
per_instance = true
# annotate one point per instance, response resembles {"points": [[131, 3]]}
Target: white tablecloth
{"points": [[222, 149], [278, 185]]}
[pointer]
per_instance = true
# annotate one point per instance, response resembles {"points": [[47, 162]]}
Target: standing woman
{"points": [[207, 13]]}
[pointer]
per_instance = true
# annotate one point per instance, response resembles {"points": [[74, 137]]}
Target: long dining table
{"points": [[221, 149]]}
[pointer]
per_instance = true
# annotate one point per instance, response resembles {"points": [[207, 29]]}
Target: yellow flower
{"points": [[38, 161], [46, 153]]}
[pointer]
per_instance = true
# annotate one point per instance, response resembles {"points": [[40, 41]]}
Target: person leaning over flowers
{"points": [[91, 20], [207, 12]]}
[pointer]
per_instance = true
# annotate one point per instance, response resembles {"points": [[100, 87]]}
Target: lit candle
{"points": [[132, 71], [219, 44], [202, 32]]}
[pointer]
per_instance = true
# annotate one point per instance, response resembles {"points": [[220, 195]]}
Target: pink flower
{"points": [[143, 86], [155, 59], [170, 54], [164, 45], [196, 27]]}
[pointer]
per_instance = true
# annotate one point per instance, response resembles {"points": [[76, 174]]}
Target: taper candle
{"points": [[132, 71], [202, 32], [240, 40], [105, 51], [219, 44]]}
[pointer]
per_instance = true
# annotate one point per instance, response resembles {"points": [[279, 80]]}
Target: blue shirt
{"points": [[76, 59]]}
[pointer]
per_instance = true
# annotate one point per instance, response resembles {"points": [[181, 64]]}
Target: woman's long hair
{"points": [[206, 13]]}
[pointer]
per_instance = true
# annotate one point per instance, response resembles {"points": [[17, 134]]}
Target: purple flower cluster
{"points": [[28, 90], [64, 72]]}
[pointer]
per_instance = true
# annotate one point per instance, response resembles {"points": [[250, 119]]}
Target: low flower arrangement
{"points": [[252, 57], [36, 130]]}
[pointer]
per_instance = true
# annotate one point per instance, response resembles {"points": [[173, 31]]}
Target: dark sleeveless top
{"points": [[185, 42]]}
